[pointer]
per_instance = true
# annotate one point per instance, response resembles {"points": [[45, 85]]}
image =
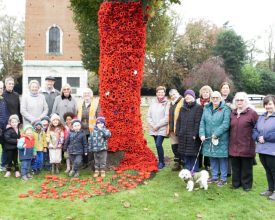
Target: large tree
{"points": [[231, 47]]}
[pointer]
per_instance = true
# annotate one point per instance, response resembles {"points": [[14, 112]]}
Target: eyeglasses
{"points": [[239, 100]]}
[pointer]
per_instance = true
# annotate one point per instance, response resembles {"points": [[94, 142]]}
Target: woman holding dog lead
{"points": [[214, 133], [187, 130], [242, 146]]}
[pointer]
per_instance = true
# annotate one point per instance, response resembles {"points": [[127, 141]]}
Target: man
{"points": [[49, 92], [175, 106], [13, 105]]}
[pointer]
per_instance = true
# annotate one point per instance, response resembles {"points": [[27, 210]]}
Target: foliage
{"points": [[210, 72], [267, 81], [251, 79], [11, 46], [93, 82], [196, 44], [232, 49]]}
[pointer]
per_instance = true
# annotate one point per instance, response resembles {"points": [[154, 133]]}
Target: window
{"points": [[54, 37], [74, 83], [34, 78]]}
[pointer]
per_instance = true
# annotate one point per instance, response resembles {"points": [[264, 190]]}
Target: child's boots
{"points": [[96, 174], [53, 168], [102, 173]]}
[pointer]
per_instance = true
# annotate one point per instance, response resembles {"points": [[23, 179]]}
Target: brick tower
{"points": [[52, 45]]}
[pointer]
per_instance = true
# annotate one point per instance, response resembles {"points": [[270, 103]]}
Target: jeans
{"points": [[76, 161], [100, 159], [189, 162], [158, 141], [219, 164], [25, 167], [37, 162]]}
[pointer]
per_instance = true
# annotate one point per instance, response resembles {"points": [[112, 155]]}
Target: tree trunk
{"points": [[122, 32]]}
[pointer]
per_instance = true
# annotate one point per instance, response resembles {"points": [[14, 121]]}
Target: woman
{"points": [[188, 124], [214, 132], [87, 113], [64, 102], [174, 109], [264, 134], [225, 92], [33, 104], [158, 120], [203, 100], [242, 146]]}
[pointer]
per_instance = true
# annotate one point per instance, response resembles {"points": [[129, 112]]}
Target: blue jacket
{"points": [[215, 122], [76, 143], [98, 139], [265, 127]]}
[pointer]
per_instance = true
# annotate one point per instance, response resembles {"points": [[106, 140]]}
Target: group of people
{"points": [[218, 131], [48, 125]]}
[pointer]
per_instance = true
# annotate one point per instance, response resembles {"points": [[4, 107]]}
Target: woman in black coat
{"points": [[187, 130]]}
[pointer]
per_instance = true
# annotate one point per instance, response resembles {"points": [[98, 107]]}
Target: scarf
{"points": [[203, 102], [160, 100]]}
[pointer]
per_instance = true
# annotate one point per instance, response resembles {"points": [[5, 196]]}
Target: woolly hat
{"points": [[189, 92], [46, 118], [76, 121], [26, 127], [37, 123], [55, 116], [100, 119], [14, 117]]}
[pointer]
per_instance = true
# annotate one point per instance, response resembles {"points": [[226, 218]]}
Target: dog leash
{"points": [[192, 171]]}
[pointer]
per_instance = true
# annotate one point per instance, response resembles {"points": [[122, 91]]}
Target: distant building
{"points": [[52, 45]]}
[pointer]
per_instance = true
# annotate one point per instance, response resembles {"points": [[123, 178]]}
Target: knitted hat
{"points": [[14, 117], [37, 123], [189, 92], [26, 127], [46, 118], [55, 116], [76, 121], [100, 119]]}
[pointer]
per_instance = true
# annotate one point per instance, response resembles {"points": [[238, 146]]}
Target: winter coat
{"points": [[174, 111], [215, 122], [40, 141], [265, 127], [11, 137], [26, 147], [98, 139], [55, 137], [50, 97], [13, 103], [241, 142], [62, 105], [158, 114], [187, 130], [33, 107], [4, 115], [76, 143]]}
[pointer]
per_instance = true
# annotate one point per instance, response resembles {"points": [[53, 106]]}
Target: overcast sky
{"points": [[249, 18]]}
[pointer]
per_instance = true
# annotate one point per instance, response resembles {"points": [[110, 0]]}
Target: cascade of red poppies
{"points": [[122, 32]]}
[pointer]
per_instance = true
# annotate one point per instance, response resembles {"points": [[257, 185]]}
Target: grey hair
{"points": [[217, 93], [244, 96], [34, 81], [8, 79], [172, 91], [88, 90]]}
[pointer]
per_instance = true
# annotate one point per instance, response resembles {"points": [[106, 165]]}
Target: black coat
{"points": [[76, 143], [10, 139], [187, 130]]}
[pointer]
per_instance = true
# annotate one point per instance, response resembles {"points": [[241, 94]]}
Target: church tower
{"points": [[52, 45]]}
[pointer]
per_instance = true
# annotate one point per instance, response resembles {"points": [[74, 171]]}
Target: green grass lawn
{"points": [[162, 197]]}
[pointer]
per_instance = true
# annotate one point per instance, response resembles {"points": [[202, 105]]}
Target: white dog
{"points": [[199, 177]]}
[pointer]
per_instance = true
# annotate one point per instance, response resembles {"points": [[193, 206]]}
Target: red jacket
{"points": [[29, 141], [241, 142]]}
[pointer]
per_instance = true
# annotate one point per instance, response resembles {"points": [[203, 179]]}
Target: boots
{"points": [[68, 166], [53, 168], [102, 173], [96, 174], [56, 169], [176, 167]]}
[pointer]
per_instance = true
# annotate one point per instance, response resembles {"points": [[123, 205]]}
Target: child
{"points": [[40, 144], [11, 135], [26, 151], [68, 117], [45, 123], [55, 140], [99, 146], [76, 145]]}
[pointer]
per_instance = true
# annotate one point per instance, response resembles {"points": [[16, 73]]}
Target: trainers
{"points": [[96, 174], [211, 180], [221, 183], [161, 165], [3, 169], [272, 197], [29, 176], [71, 173], [102, 173], [266, 193], [17, 174], [67, 170], [8, 174], [76, 174], [24, 178]]}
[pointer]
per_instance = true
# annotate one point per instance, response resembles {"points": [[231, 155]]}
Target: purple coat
{"points": [[241, 142], [265, 127]]}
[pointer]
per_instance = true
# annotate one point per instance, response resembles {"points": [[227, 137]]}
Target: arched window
{"points": [[54, 40]]}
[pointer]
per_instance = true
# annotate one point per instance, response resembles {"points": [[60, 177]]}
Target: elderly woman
{"points": [[214, 132], [175, 106], [188, 124], [64, 102], [242, 146], [203, 100], [33, 104], [158, 120], [264, 134]]}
